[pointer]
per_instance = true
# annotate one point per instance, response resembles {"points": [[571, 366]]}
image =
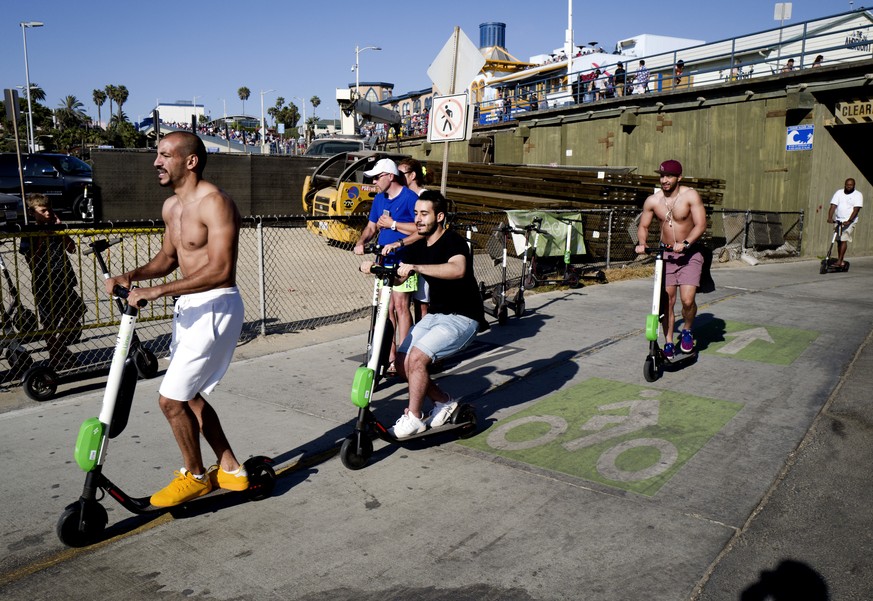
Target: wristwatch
{"points": [[393, 226], [402, 243], [686, 243]]}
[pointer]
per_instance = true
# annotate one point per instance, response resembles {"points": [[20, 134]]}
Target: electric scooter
{"points": [[829, 265], [653, 367], [568, 275], [501, 303], [357, 448], [83, 521], [40, 382]]}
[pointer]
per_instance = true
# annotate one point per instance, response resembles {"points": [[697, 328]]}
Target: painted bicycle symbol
{"points": [[641, 414]]}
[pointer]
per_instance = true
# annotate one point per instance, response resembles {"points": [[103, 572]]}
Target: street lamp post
{"points": [[24, 27], [263, 125], [357, 76]]}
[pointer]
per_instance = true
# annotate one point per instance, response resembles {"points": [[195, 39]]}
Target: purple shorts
{"points": [[683, 269]]}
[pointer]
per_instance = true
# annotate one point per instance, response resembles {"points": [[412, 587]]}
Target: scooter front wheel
{"points": [[353, 457], [651, 371], [824, 267], [92, 517], [40, 383], [519, 307]]}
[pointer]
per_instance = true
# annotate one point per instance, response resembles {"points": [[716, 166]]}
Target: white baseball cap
{"points": [[383, 166]]}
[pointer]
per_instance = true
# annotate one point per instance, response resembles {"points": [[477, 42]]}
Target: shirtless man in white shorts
{"points": [[682, 215], [201, 240]]}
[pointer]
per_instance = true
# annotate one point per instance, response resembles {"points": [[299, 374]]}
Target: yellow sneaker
{"points": [[237, 481], [183, 488]]}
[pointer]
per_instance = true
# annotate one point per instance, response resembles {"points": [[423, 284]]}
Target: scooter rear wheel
{"points": [[466, 417], [146, 363], [262, 478], [93, 517], [349, 454], [40, 383]]}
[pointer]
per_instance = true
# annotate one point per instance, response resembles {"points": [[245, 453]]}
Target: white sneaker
{"points": [[406, 426], [441, 412]]}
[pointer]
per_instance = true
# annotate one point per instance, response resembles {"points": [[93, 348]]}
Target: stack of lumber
{"points": [[474, 186]]}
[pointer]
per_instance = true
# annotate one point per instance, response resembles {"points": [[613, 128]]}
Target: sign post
{"points": [[454, 68]]}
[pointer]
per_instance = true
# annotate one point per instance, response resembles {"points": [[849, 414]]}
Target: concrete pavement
{"points": [[740, 474]]}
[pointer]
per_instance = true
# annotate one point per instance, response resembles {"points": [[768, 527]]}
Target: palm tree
{"points": [[121, 95], [110, 93], [244, 94], [36, 92], [314, 101], [117, 119], [69, 113], [99, 97], [311, 122]]}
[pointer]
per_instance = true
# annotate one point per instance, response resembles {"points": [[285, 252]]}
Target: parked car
{"points": [[65, 179], [327, 147], [9, 206]]}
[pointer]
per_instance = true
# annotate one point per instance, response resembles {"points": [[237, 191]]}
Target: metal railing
{"points": [[55, 309], [756, 55]]}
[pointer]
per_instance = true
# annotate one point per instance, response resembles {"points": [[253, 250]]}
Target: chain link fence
{"points": [[55, 310]]}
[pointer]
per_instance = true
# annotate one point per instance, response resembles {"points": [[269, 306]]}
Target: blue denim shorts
{"points": [[439, 335]]}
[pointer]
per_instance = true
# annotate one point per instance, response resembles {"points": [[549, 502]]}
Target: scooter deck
{"points": [[831, 267], [385, 434], [258, 486], [680, 357]]}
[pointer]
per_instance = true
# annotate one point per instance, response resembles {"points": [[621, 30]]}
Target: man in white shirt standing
{"points": [[845, 206]]}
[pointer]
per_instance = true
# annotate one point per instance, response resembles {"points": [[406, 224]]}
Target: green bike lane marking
{"points": [[622, 435], [750, 342]]}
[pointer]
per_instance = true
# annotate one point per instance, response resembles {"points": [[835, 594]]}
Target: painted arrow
{"points": [[745, 338]]}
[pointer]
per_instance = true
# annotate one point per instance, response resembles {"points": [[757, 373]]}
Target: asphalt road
{"points": [[743, 475]]}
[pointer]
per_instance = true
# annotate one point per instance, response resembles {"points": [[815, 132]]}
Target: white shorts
{"points": [[846, 235], [206, 329]]}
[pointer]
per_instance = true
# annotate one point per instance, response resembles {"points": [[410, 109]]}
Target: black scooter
{"points": [[653, 368], [357, 448], [829, 265], [501, 300], [83, 521], [40, 382]]}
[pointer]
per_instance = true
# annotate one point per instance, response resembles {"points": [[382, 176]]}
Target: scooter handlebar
{"points": [[98, 246], [383, 270], [122, 292], [650, 250]]}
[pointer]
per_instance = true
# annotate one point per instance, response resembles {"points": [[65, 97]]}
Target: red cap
{"points": [[670, 168]]}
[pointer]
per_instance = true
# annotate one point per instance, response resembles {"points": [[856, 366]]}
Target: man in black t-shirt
{"points": [[444, 259]]}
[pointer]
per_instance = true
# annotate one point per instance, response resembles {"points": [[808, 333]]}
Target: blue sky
{"points": [[176, 51]]}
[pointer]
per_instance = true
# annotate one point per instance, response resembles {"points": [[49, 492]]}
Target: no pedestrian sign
{"points": [[448, 119]]}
